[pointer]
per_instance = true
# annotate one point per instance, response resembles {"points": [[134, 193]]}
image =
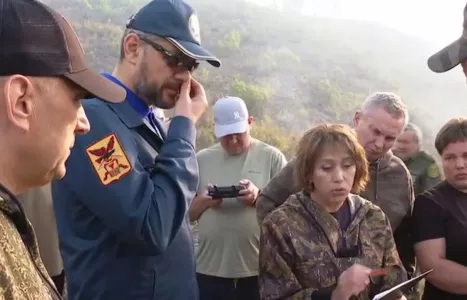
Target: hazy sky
{"points": [[437, 21]]}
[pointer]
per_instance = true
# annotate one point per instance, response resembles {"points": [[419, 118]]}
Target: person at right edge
{"points": [[121, 210], [381, 119], [453, 54], [439, 220]]}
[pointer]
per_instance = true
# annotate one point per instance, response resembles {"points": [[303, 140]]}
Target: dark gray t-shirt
{"points": [[343, 215]]}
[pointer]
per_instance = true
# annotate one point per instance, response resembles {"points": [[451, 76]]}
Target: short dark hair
{"points": [[455, 130], [137, 32], [312, 144], [122, 50]]}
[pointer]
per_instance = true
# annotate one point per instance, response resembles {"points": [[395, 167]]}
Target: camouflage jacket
{"points": [[299, 245], [390, 188], [424, 170], [22, 273]]}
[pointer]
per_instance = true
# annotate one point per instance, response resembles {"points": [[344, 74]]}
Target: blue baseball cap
{"points": [[176, 21]]}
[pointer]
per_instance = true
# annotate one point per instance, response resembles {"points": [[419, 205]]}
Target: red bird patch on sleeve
{"points": [[108, 159]]}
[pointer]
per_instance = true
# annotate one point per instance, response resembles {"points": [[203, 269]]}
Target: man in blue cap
{"points": [[123, 229]]}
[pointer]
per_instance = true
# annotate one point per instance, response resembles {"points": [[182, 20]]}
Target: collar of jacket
{"points": [[356, 203], [12, 208], [326, 221], [133, 110], [383, 161]]}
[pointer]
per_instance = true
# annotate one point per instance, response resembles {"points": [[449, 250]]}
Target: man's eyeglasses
{"points": [[173, 60]]}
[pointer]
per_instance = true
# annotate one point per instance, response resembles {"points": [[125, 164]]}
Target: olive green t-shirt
{"points": [[228, 237]]}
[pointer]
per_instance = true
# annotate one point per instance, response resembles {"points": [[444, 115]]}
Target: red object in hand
{"points": [[380, 272]]}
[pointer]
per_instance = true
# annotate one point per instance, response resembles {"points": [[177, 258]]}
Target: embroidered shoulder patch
{"points": [[108, 159], [433, 171]]}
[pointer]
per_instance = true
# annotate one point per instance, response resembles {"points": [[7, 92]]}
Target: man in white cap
{"points": [[228, 232]]}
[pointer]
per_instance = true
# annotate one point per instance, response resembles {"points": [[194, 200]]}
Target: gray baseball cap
{"points": [[451, 55], [230, 116]]}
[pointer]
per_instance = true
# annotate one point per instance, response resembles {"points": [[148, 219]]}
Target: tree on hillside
{"points": [[255, 97]]}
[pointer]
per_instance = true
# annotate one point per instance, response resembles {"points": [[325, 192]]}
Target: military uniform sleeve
{"points": [[143, 207], [431, 177], [276, 277], [390, 259], [276, 191], [278, 162]]}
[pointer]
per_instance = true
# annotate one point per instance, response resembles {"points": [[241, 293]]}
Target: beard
{"points": [[152, 94]]}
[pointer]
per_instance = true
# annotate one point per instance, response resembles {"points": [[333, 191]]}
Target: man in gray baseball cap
{"points": [[453, 54]]}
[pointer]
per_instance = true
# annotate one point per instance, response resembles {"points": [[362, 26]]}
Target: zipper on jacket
{"points": [[342, 236]]}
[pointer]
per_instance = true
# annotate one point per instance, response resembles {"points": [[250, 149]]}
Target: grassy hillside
{"points": [[293, 71]]}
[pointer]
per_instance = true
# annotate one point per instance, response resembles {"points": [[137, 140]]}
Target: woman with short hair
{"points": [[324, 241], [439, 220]]}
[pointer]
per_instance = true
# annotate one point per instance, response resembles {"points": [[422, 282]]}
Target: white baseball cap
{"points": [[230, 116]]}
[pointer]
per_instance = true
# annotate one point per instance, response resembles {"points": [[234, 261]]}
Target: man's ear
{"points": [[251, 120], [132, 49], [18, 94], [357, 117]]}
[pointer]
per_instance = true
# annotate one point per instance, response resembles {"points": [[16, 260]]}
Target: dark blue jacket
{"points": [[121, 209]]}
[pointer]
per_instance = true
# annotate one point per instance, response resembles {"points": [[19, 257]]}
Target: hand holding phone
{"points": [[249, 193], [220, 192]]}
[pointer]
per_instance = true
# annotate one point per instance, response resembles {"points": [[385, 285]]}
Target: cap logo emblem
{"points": [[130, 20], [236, 115], [193, 25]]}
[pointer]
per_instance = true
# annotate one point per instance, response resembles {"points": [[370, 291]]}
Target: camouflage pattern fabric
{"points": [[22, 273], [453, 54], [424, 170], [390, 188], [299, 242], [278, 189]]}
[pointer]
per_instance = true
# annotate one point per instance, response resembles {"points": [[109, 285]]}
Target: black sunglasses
{"points": [[173, 60]]}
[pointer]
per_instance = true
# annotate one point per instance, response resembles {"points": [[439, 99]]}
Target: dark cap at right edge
{"points": [[451, 55]]}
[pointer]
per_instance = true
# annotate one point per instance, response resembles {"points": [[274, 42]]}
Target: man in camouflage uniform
{"points": [[380, 121], [43, 77], [422, 166], [453, 54]]}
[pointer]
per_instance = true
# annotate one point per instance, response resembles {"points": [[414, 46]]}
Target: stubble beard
{"points": [[150, 94]]}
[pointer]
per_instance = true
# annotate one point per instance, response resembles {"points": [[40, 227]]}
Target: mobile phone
{"points": [[219, 192]]}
